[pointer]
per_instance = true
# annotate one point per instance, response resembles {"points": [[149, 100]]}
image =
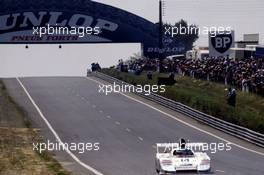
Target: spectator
{"points": [[246, 74], [95, 67], [231, 97], [149, 75], [172, 76]]}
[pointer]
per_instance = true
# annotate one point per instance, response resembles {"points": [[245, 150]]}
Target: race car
{"points": [[180, 157]]}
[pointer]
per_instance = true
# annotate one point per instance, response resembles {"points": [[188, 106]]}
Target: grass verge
{"points": [[16, 138], [208, 97]]}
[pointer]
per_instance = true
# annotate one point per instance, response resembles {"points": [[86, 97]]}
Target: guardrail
{"points": [[229, 128]]}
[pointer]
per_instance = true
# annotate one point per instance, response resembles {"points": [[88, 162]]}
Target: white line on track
{"points": [[108, 116], [117, 123], [128, 130], [179, 120], [55, 134], [219, 171], [140, 138]]}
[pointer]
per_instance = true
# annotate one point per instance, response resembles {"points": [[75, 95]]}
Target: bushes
{"points": [[207, 97]]}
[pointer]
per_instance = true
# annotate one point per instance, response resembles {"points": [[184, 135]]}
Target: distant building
{"points": [[245, 48], [240, 53], [251, 37], [243, 44]]}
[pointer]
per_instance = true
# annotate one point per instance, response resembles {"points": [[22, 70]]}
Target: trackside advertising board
{"points": [[260, 51]]}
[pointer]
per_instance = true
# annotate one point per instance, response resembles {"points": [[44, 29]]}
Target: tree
{"points": [[183, 40]]}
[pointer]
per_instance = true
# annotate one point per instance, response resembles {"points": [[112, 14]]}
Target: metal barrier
{"points": [[229, 128]]}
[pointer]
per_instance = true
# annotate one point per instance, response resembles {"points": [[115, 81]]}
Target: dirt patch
{"points": [[16, 137]]}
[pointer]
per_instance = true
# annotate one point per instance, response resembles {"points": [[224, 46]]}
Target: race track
{"points": [[126, 130]]}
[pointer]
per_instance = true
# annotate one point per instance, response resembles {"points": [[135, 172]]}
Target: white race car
{"points": [[180, 157]]}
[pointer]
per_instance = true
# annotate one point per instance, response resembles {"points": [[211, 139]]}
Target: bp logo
{"points": [[222, 42]]}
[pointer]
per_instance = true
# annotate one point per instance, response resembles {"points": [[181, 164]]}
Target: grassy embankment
{"points": [[208, 97], [16, 137]]}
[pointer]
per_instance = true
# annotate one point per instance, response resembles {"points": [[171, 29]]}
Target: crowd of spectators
{"points": [[246, 74]]}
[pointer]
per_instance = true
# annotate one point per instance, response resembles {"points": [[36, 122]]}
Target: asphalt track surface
{"points": [[126, 129]]}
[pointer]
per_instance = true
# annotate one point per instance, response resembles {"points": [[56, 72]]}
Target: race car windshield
{"points": [[185, 152]]}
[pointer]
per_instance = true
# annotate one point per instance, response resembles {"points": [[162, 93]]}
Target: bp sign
{"points": [[221, 43], [19, 18]]}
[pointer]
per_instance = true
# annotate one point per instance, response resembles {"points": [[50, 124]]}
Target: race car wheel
{"points": [[162, 173], [158, 171], [207, 171]]}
